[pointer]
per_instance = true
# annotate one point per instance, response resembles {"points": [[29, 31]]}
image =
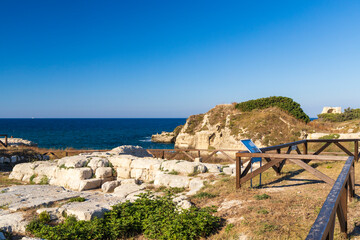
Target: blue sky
{"points": [[174, 58]]}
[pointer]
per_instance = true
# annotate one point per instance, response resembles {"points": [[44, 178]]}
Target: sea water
{"points": [[92, 133]]}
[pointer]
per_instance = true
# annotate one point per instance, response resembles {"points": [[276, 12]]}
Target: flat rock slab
{"points": [[30, 196], [13, 222], [95, 205]]}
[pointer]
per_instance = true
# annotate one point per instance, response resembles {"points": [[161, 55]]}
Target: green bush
{"points": [[155, 217], [348, 114], [261, 196], [202, 195], [331, 136], [76, 199], [284, 103]]}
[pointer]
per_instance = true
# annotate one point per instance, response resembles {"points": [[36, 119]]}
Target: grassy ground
{"points": [[285, 207]]}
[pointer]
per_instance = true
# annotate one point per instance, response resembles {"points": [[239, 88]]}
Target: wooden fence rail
{"points": [[5, 143], [335, 204], [161, 153]]}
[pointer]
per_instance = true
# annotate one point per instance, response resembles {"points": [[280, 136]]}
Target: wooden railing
{"points": [[196, 153], [5, 144], [342, 188], [335, 204]]}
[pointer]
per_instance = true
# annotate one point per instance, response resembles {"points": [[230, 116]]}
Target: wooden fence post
{"points": [[238, 172], [306, 147], [356, 150]]}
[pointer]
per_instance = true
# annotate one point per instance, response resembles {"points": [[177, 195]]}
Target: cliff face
{"points": [[224, 126]]}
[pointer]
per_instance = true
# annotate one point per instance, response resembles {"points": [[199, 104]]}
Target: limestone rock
{"points": [[228, 170], [96, 162], [195, 185], [125, 189], [123, 172], [73, 161], [16, 142], [131, 150], [110, 186], [13, 222], [168, 180], [164, 137], [89, 184], [103, 172], [184, 167]]}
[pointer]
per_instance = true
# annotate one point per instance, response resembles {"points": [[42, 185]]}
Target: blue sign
{"points": [[252, 148]]}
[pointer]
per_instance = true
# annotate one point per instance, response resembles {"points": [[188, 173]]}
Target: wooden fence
{"points": [[5, 143], [196, 153], [342, 188]]}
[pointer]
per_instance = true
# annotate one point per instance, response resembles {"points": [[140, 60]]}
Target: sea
{"points": [[90, 133]]}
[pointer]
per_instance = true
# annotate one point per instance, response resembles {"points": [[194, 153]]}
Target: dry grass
{"points": [[6, 182], [295, 200]]}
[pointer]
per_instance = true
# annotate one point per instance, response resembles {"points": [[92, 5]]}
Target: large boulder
{"points": [[124, 190], [184, 167], [131, 150], [168, 180], [97, 162], [73, 162]]}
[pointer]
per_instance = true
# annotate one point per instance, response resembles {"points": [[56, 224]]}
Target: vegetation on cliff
{"points": [[347, 115], [285, 103]]}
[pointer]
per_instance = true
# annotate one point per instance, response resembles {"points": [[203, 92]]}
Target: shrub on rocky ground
{"points": [[284, 103], [155, 217]]}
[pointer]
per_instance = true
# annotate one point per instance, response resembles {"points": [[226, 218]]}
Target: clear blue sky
{"points": [[174, 58]]}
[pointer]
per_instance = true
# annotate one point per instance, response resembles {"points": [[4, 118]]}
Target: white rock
{"points": [[89, 184], [73, 161], [195, 185], [110, 186], [184, 167], [96, 162], [228, 170], [121, 161], [123, 172], [2, 237], [6, 160], [1, 160], [123, 190], [131, 150], [162, 179], [230, 204], [129, 181], [103, 172], [213, 168], [13, 222]]}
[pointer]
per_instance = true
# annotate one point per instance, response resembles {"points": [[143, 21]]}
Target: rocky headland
{"points": [[268, 121]]}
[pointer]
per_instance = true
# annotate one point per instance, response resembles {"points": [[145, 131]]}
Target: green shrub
{"points": [[285, 103], [348, 114], [261, 197], [76, 199], [44, 180], [229, 227], [44, 217], [32, 178], [330, 136], [202, 195], [173, 172], [155, 217]]}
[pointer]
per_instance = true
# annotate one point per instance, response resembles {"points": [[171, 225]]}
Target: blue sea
{"points": [[92, 133]]}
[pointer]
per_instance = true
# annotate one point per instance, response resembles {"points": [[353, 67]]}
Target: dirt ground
{"points": [[284, 207]]}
